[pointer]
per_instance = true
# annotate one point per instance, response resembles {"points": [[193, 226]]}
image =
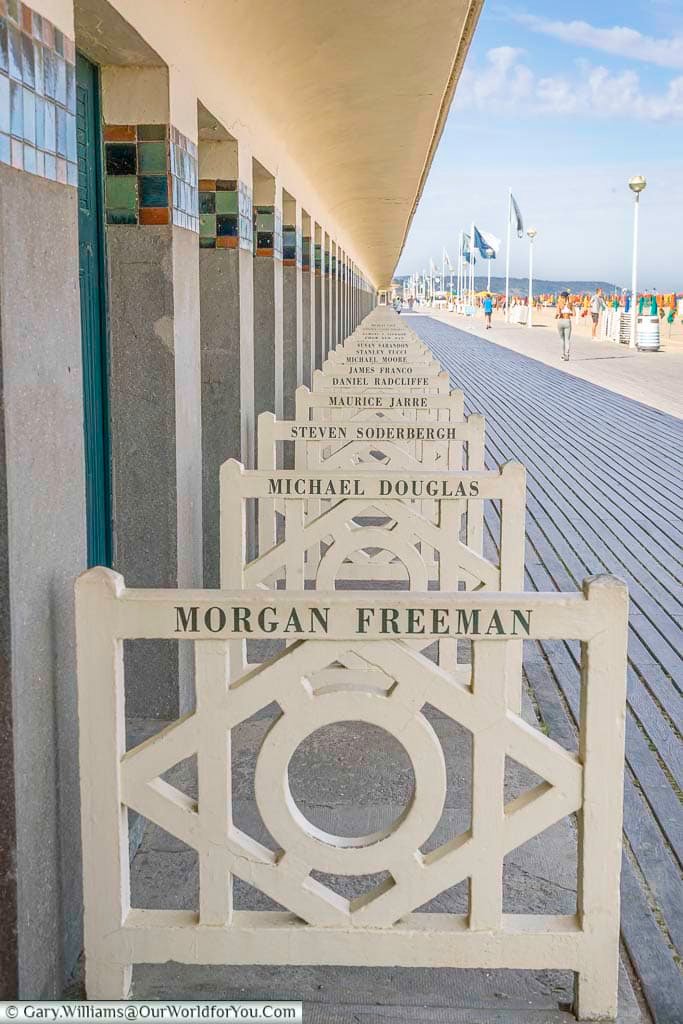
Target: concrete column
{"points": [[308, 301], [153, 249], [292, 292], [327, 287], [42, 542], [268, 323], [319, 303], [227, 324]]}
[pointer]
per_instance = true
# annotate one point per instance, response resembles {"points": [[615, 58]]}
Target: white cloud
{"points": [[618, 40], [505, 84]]}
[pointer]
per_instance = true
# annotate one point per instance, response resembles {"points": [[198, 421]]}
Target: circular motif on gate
{"points": [[359, 855]]}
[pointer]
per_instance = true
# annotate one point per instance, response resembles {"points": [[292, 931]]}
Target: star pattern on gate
{"points": [[389, 687]]}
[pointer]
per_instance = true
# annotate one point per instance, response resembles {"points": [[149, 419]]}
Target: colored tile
{"points": [[27, 61], [226, 224], [121, 158], [207, 184], [226, 202], [5, 149], [71, 137], [29, 158], [121, 217], [60, 91], [29, 114], [14, 52], [49, 72], [227, 242], [226, 185], [121, 191], [4, 58], [151, 132], [151, 157], [4, 104], [207, 224], [155, 215], [16, 109], [61, 131], [71, 88], [207, 243], [119, 133], [207, 202], [153, 190], [39, 68], [50, 126], [48, 33]]}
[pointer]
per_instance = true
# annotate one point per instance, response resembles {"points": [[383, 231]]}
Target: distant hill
{"points": [[520, 285]]}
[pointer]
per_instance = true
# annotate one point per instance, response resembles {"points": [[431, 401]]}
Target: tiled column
{"points": [[308, 301], [152, 239], [327, 288], [42, 501], [292, 301], [227, 353], [319, 299], [333, 295], [268, 326]]}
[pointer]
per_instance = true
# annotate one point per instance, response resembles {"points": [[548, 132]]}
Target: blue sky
{"points": [[564, 103]]}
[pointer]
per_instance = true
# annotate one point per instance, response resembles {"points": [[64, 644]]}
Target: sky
{"points": [[563, 104]]}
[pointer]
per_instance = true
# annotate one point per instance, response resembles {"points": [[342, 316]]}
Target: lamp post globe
{"points": [[637, 184]]}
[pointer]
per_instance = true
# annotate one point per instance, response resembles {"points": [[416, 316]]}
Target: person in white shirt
{"points": [[597, 307]]}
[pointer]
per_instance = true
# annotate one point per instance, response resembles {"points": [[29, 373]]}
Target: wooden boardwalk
{"points": [[605, 495]]}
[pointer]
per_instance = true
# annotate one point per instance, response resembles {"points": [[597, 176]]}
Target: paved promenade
{"points": [[654, 378], [604, 477]]}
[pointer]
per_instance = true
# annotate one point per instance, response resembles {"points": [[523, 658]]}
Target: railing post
{"points": [[601, 750], [104, 818]]}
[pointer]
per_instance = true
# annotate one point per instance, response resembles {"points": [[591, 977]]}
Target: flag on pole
{"points": [[467, 253], [447, 260], [516, 216], [486, 243]]}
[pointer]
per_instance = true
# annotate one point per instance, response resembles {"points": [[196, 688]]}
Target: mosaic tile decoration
{"points": [[326, 265], [306, 253], [150, 176], [224, 214], [291, 246], [268, 231], [317, 255], [37, 95], [333, 265]]}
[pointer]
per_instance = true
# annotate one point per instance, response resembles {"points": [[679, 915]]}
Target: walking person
{"points": [[488, 310], [564, 323], [597, 307]]}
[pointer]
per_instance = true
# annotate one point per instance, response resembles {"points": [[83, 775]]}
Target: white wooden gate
{"points": [[317, 926]]}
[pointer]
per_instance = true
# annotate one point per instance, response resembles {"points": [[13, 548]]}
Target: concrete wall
{"points": [[43, 543], [221, 363]]}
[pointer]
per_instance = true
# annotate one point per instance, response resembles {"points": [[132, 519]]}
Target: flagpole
{"points": [[459, 264], [507, 261], [488, 285], [472, 265]]}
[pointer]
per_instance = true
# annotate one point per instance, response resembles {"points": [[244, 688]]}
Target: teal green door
{"points": [[93, 314]]}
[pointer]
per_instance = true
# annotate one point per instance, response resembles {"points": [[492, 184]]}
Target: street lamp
{"points": [[637, 185], [532, 232]]}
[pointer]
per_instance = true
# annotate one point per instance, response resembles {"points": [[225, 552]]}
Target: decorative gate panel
{"points": [[318, 926]]}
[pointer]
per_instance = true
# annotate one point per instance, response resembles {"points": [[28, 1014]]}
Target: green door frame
{"points": [[94, 314]]}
